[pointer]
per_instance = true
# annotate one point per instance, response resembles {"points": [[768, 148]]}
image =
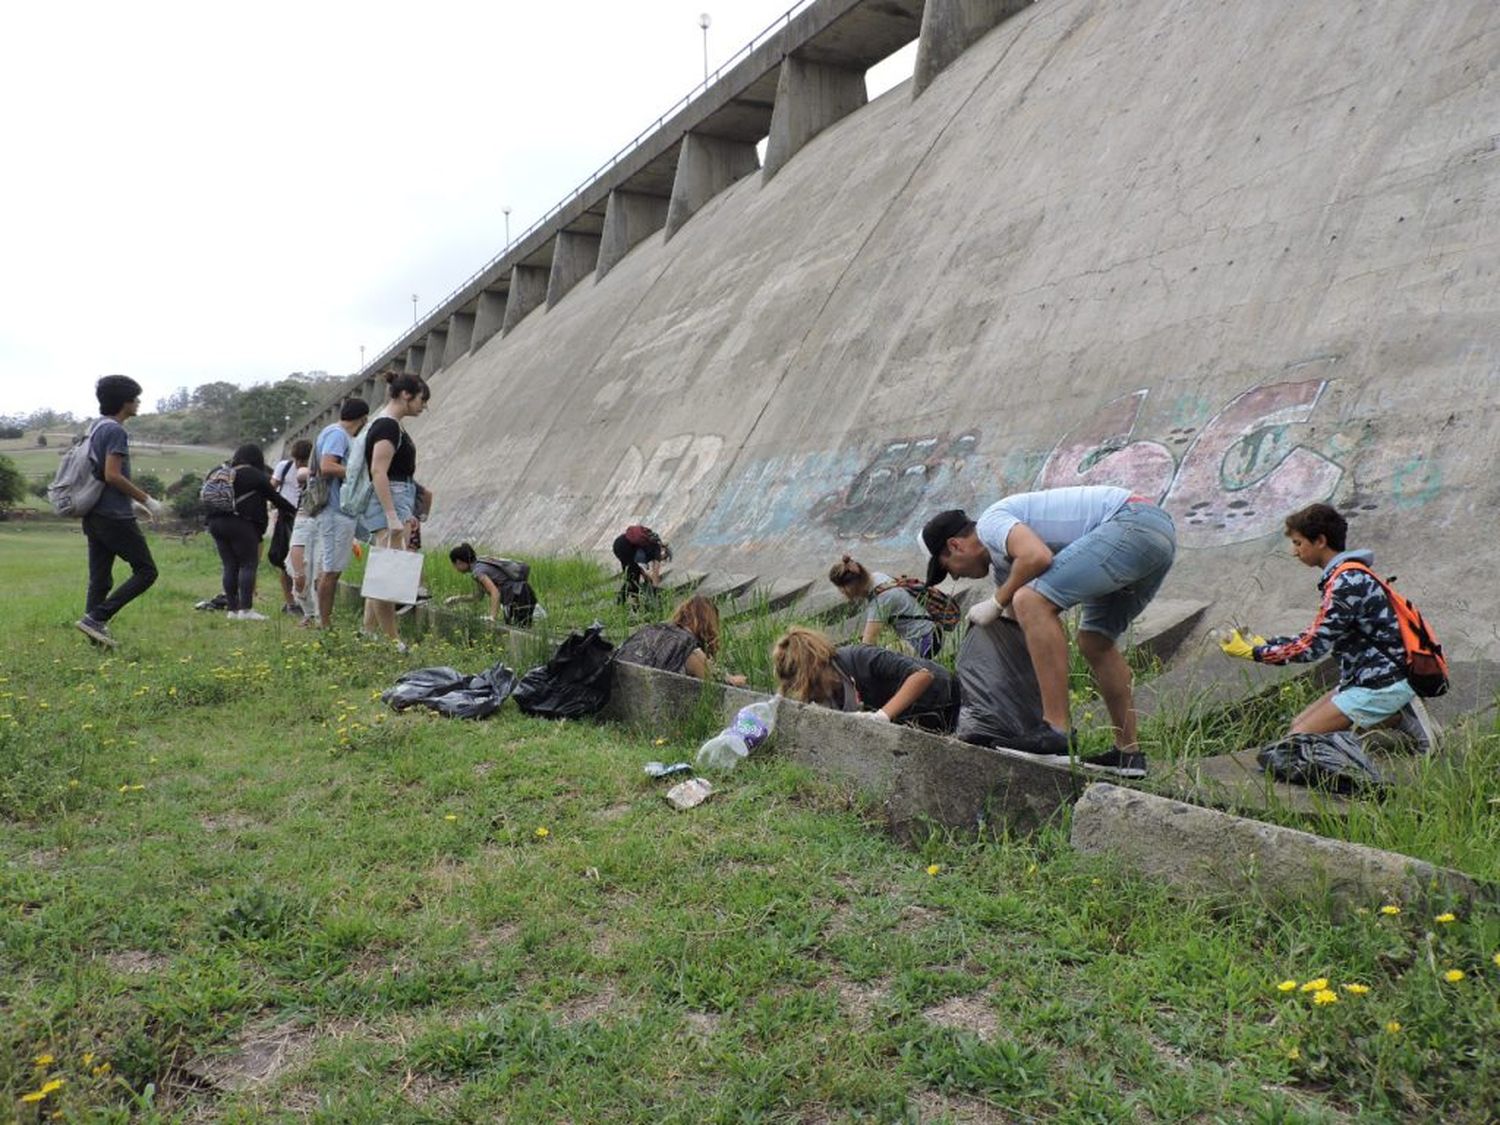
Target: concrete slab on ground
{"points": [[1164, 624], [721, 584], [821, 603], [1215, 683], [774, 594]]}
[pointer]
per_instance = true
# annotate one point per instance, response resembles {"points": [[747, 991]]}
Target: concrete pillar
{"points": [[809, 97], [432, 353], [528, 289], [706, 166], [951, 27], [413, 365], [460, 332], [489, 318], [629, 218], [574, 257]]}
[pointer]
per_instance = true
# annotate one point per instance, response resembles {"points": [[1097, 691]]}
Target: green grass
{"points": [[217, 847], [166, 462]]}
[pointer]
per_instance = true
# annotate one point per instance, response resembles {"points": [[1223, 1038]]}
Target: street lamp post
{"points": [[361, 357], [703, 22], [506, 212], [413, 310]]}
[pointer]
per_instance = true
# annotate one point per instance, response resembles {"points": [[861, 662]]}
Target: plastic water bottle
{"points": [[751, 727]]}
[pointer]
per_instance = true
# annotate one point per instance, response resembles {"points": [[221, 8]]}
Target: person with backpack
{"points": [[332, 530], [687, 644], [1092, 545], [234, 498], [1358, 620], [897, 688], [391, 464], [288, 478], [504, 581], [890, 602], [109, 521], [638, 548]]}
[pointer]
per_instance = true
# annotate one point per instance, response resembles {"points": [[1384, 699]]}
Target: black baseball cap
{"points": [[935, 535]]}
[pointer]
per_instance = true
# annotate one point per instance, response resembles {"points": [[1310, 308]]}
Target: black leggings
{"points": [[239, 550], [111, 539]]}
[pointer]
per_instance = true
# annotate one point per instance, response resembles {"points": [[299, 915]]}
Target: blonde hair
{"points": [[849, 575], [700, 617], [803, 662]]}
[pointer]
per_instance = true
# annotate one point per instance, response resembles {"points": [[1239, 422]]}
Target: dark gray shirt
{"points": [[878, 674], [110, 437]]}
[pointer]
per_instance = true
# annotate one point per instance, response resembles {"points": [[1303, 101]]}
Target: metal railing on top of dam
{"points": [[593, 177]]}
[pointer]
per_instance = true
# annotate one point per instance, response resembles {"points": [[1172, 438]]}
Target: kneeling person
{"points": [[687, 644]]}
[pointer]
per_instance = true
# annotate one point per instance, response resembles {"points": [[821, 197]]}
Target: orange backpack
{"points": [[1426, 666]]}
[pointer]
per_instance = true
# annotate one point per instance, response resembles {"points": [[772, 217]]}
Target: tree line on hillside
{"points": [[218, 413]]}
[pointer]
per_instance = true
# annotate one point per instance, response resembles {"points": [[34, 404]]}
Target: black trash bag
{"points": [[1334, 762], [574, 683], [451, 693], [997, 685]]}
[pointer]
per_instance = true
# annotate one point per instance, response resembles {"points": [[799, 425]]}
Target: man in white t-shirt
{"points": [[1096, 546]]}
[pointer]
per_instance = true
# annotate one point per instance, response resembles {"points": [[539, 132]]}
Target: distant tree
{"points": [[184, 497], [10, 433], [41, 441], [150, 482], [12, 483]]}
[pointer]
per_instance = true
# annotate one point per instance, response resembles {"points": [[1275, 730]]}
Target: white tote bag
{"points": [[392, 575]]}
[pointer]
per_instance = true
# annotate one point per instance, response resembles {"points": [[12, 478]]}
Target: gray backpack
{"points": [[75, 489]]}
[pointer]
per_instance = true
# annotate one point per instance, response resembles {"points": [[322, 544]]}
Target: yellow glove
{"points": [[1240, 646]]}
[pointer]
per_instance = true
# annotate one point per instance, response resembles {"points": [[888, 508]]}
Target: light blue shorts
{"points": [[1114, 570], [403, 496], [333, 534], [1369, 707]]}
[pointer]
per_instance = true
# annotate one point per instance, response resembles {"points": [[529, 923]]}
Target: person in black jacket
{"points": [[238, 534]]}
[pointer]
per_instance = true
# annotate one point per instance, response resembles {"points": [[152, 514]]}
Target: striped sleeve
{"points": [[1335, 614]]}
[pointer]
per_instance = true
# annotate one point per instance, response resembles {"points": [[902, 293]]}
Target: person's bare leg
{"points": [[1048, 646], [1321, 717], [1113, 677], [328, 584], [288, 589]]}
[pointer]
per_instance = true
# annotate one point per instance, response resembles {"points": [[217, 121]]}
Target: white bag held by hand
{"points": [[392, 575]]}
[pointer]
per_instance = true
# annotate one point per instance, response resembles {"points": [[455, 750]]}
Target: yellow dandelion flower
{"points": [[88, 1057], [934, 868], [1294, 1054], [51, 1087], [1316, 985], [1453, 976], [1392, 1027], [542, 833], [44, 1060], [1444, 919], [34, 1096], [1356, 989], [450, 817], [1286, 986], [1390, 909], [73, 783], [87, 726], [659, 742], [101, 1070], [1496, 959], [1325, 996]]}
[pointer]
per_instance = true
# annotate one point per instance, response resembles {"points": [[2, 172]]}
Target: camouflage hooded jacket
{"points": [[1356, 621]]}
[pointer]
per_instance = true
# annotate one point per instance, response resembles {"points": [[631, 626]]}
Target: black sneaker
{"points": [[1046, 741], [217, 602], [1121, 763], [95, 631]]}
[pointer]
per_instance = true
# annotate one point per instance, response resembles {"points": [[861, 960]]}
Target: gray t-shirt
{"points": [[1058, 516], [110, 437], [897, 608], [332, 442]]}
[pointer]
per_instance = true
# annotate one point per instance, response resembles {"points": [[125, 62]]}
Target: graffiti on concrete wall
{"points": [[661, 489], [886, 491]]}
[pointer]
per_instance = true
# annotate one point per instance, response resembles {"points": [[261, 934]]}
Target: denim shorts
{"points": [[334, 536], [1114, 570], [302, 530], [404, 499], [1369, 707]]}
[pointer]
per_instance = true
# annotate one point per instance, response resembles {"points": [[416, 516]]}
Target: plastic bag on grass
{"points": [[450, 692], [1334, 762], [997, 685], [574, 683]]}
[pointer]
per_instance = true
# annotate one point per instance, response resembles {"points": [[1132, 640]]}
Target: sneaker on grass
{"points": [[1121, 763], [96, 631], [252, 615]]}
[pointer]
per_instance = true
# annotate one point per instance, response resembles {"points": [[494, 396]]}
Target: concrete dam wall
{"points": [[1239, 257]]}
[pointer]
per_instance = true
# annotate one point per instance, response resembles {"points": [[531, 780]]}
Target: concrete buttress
{"points": [[528, 289], [432, 352], [413, 364], [810, 96], [950, 27], [460, 331], [574, 258], [489, 318], [706, 166], [629, 218]]}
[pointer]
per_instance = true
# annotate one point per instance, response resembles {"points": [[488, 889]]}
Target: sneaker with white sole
{"points": [[1414, 722], [252, 615], [1120, 763], [96, 631]]}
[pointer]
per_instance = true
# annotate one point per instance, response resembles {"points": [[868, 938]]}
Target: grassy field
{"points": [[233, 886], [168, 462]]}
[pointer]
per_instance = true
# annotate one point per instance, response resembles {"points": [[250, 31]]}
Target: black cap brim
{"points": [[936, 571]]}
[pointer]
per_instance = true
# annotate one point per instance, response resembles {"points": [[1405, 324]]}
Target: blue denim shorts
{"points": [[403, 496], [1114, 570], [1369, 707]]}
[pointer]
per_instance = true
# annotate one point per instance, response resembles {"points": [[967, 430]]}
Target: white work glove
{"points": [[877, 716], [984, 613], [488, 617], [453, 599], [152, 507]]}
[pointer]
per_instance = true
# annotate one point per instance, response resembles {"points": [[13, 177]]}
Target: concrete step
{"points": [[1216, 683], [773, 595], [721, 584], [1164, 625]]}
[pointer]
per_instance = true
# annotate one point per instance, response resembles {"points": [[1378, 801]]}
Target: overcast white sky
{"points": [[198, 191]]}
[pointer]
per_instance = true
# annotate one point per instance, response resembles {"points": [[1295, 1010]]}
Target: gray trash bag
{"points": [[997, 685], [451, 693], [1334, 762]]}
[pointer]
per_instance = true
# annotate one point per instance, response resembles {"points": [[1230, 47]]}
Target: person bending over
{"points": [[688, 644], [640, 552], [896, 687], [288, 478], [888, 603], [505, 582]]}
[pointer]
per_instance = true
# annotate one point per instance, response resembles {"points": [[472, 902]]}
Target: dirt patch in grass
{"points": [[614, 812], [259, 1054], [45, 859], [974, 1014], [226, 822], [858, 999], [483, 944], [580, 1009], [931, 1105], [135, 962], [482, 769], [427, 1090], [702, 1025], [914, 918]]}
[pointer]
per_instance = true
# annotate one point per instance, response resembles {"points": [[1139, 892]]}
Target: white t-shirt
{"points": [[898, 609], [291, 481], [1057, 516]]}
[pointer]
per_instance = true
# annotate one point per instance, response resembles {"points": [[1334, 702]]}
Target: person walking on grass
{"points": [[1095, 546], [391, 456], [288, 479], [332, 531], [1356, 621], [111, 527], [237, 533], [889, 603]]}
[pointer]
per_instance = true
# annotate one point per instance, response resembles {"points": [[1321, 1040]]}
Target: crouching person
{"points": [[1356, 620], [896, 687], [688, 644], [505, 582], [887, 603]]}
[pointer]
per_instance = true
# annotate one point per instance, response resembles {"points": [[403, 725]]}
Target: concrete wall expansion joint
{"points": [[528, 289], [951, 27], [705, 167], [575, 257], [810, 97]]}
